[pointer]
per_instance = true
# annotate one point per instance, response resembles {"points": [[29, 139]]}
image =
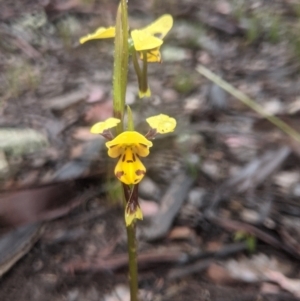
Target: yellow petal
{"points": [[141, 149], [153, 55], [130, 217], [144, 40], [147, 93], [162, 123], [160, 27], [138, 143], [100, 33], [100, 127], [129, 169]]}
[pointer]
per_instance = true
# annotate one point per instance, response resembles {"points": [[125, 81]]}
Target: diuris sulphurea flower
{"points": [[145, 42], [129, 147], [149, 38]]}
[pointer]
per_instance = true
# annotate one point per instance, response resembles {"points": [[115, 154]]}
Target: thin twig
{"points": [[248, 102]]}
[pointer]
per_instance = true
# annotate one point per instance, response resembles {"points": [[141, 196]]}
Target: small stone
{"points": [[296, 190], [274, 107], [211, 169], [269, 223], [37, 265], [196, 197], [193, 160], [96, 93], [170, 95], [216, 98], [49, 279], [182, 233], [190, 142], [286, 180], [204, 58], [120, 292], [4, 166], [192, 105], [73, 295], [148, 189], [223, 7], [175, 54], [219, 275], [250, 216], [149, 208], [90, 250]]}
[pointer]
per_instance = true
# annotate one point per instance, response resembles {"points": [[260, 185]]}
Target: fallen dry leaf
{"points": [[99, 112], [84, 134], [291, 285]]}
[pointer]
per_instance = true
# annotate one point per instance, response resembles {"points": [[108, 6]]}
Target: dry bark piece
{"points": [[170, 205], [62, 102], [16, 244], [41, 203]]}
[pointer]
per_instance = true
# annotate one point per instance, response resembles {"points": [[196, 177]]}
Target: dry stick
{"points": [[115, 262], [121, 260], [248, 102]]}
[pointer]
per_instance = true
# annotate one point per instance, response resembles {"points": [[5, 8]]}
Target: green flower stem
{"points": [[137, 69], [133, 270], [249, 102], [120, 64], [145, 72], [119, 91], [131, 233]]}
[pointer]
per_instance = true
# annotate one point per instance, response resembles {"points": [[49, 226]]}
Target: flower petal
{"points": [[129, 169], [160, 27], [144, 40], [146, 93], [100, 33], [100, 127], [162, 123], [129, 138], [139, 144], [153, 55], [131, 216]]}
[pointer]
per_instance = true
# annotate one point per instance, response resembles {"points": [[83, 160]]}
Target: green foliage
{"points": [[184, 82], [274, 29], [114, 192], [253, 31], [20, 78], [250, 240]]}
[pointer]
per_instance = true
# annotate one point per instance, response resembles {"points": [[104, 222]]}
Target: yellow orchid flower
{"points": [[146, 43], [148, 39], [129, 146]]}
